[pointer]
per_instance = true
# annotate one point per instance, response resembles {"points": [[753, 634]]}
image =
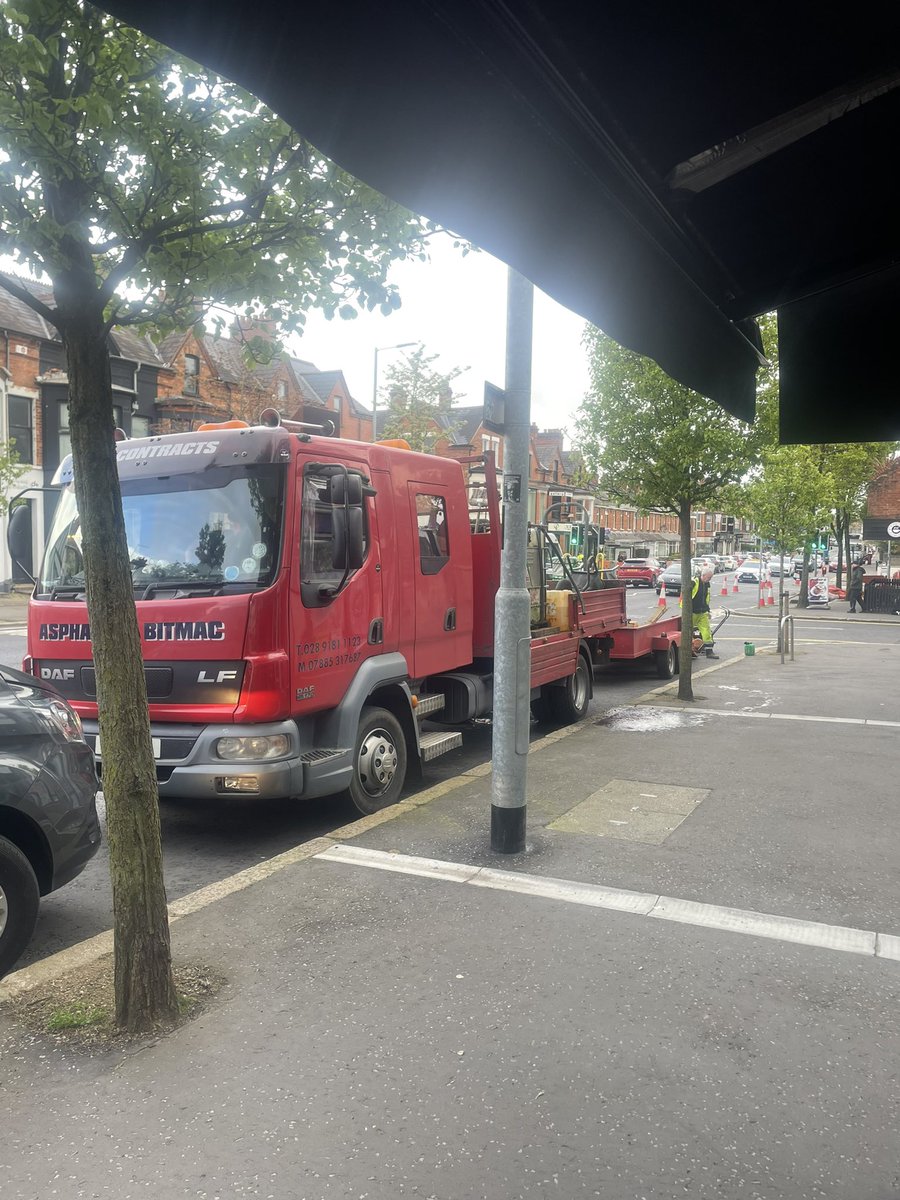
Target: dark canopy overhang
{"points": [[667, 171]]}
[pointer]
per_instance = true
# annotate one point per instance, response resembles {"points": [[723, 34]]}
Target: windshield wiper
{"points": [[205, 587], [67, 592]]}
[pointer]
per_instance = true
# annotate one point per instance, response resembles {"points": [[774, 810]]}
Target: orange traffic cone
{"points": [[762, 595], [771, 598], [661, 602], [734, 585], [724, 591]]}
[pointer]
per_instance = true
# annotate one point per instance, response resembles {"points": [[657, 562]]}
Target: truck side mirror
{"points": [[348, 541], [346, 489], [18, 534]]}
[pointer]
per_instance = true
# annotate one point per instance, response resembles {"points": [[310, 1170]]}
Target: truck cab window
{"points": [[434, 541], [320, 575]]}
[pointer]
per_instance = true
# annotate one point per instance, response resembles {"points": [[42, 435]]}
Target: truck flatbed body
{"points": [[637, 641]]}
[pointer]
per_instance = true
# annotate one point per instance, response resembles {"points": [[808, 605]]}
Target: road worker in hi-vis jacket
{"points": [[700, 609]]}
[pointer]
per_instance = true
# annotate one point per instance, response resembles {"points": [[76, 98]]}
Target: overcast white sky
{"points": [[456, 306]]}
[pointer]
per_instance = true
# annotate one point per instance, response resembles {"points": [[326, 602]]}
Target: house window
{"points": [[140, 427], [191, 375], [20, 426], [64, 441]]}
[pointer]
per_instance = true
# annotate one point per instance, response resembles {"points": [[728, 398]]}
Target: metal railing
{"points": [[881, 596]]}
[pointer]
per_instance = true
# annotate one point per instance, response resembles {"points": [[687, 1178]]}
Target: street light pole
{"points": [[378, 349], [512, 609]]}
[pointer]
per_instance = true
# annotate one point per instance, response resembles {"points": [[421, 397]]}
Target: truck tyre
{"points": [[379, 761], [569, 703], [19, 899], [666, 661]]}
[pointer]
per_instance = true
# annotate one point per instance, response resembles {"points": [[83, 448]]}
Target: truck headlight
{"points": [[235, 749]]}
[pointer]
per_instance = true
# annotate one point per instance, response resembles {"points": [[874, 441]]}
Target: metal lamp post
{"points": [[378, 349]]}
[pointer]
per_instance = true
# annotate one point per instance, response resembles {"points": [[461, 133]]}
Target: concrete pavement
{"points": [[396, 1029]]}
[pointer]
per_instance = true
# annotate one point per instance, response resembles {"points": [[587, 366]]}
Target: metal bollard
{"points": [[786, 627]]}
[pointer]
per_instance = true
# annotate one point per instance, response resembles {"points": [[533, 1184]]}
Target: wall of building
{"points": [[884, 493]]}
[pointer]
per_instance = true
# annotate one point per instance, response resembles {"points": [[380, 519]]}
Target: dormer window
{"points": [[191, 374]]}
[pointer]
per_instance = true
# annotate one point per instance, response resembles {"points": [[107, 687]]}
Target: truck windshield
{"points": [[219, 528]]}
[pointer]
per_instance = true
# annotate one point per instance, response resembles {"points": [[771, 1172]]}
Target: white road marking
{"points": [[645, 904], [775, 716]]}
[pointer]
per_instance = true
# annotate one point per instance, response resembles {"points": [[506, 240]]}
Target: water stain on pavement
{"points": [[648, 720]]}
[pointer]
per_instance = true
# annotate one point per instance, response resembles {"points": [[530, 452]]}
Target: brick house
{"points": [[211, 378], [884, 492], [34, 399], [191, 376]]}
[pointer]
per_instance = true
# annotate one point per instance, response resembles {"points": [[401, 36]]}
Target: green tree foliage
{"points": [[10, 471], [653, 443], [145, 188], [797, 490], [790, 497], [851, 467], [420, 400]]}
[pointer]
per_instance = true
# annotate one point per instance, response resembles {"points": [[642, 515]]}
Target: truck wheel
{"points": [[19, 899], [569, 703], [379, 761], [666, 661]]}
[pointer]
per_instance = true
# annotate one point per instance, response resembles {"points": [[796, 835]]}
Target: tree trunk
{"points": [[845, 514], [144, 986], [839, 538], [685, 690]]}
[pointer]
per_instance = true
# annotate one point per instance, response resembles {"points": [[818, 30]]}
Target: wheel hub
{"points": [[4, 911], [377, 762], [580, 689]]}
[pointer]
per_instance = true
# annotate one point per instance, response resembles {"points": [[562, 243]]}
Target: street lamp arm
{"points": [[378, 350]]}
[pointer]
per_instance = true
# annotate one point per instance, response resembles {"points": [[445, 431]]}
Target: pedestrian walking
{"points": [[854, 591]]}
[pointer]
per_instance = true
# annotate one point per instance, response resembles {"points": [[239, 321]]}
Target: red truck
{"points": [[305, 603]]}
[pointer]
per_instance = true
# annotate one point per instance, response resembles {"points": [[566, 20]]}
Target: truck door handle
{"points": [[376, 632], [450, 619]]}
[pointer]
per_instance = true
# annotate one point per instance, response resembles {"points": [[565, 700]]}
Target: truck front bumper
{"points": [[188, 767]]}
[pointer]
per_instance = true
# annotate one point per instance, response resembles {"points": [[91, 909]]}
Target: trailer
{"points": [[599, 620]]}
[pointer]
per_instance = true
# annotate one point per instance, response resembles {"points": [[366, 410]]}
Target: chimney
{"points": [[245, 329]]}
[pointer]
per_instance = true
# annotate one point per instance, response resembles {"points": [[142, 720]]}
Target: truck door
{"points": [[442, 581], [338, 619]]}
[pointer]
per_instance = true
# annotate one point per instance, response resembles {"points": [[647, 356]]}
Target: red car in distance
{"points": [[639, 572]]}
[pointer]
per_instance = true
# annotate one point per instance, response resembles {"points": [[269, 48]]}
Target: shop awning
{"points": [[667, 171]]}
